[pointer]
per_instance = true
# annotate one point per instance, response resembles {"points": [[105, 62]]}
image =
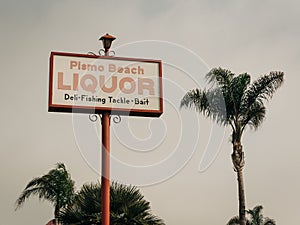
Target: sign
{"points": [[95, 84]]}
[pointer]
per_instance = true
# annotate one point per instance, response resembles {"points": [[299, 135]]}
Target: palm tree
{"points": [[56, 186], [232, 100], [256, 218], [128, 207]]}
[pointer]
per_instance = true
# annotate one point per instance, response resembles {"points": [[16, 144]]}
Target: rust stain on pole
{"points": [[105, 181]]}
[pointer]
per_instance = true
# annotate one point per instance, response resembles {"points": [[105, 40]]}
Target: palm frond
{"points": [[254, 117], [234, 221], [269, 221], [210, 103], [256, 210], [56, 186], [256, 215], [37, 186], [263, 88], [252, 107], [39, 191], [238, 85], [221, 80], [61, 166], [219, 77], [196, 99]]}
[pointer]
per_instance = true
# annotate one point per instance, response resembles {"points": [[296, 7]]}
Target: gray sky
{"points": [[244, 36]]}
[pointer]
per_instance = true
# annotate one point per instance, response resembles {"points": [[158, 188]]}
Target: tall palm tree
{"points": [[232, 100], [256, 218], [56, 186], [128, 207]]}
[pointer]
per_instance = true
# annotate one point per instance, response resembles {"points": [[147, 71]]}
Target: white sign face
{"points": [[95, 84]]}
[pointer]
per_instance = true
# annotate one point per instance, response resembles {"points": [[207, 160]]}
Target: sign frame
{"points": [[52, 107]]}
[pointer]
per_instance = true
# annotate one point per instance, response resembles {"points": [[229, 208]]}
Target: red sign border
{"points": [[99, 110]]}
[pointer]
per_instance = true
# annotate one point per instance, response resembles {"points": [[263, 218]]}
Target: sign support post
{"points": [[105, 177]]}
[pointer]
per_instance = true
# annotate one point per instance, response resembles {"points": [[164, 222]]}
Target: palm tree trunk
{"points": [[242, 201], [238, 163], [56, 212]]}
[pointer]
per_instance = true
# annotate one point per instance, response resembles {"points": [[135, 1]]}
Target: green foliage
{"points": [[255, 218], [127, 206], [233, 100], [56, 186], [236, 221]]}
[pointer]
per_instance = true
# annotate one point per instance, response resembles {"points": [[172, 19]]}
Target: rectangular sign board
{"points": [[81, 83]]}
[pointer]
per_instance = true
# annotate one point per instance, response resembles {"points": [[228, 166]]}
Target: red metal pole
{"points": [[105, 178]]}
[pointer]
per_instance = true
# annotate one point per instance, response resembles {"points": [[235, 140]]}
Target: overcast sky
{"points": [[193, 187]]}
